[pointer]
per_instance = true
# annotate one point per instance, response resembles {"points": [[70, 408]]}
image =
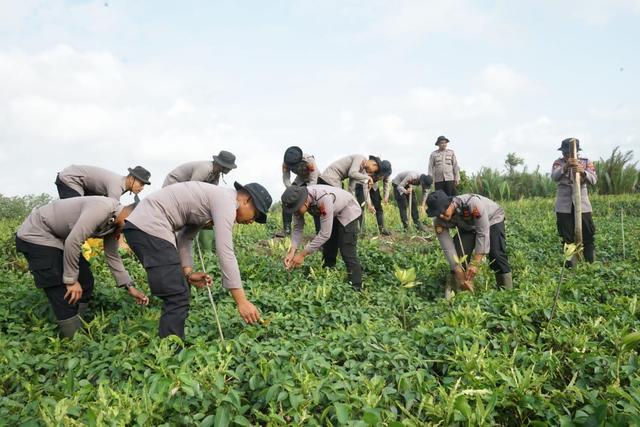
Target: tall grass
{"points": [[617, 174]]}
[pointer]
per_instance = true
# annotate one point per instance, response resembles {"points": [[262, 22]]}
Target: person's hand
{"points": [[580, 168], [296, 261], [386, 201], [74, 293], [141, 298], [472, 270], [410, 189], [289, 257], [199, 279], [248, 312], [371, 209]]}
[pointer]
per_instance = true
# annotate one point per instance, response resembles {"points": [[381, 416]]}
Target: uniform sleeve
{"points": [[114, 261], [431, 165], [298, 229], [223, 218], [425, 193], [314, 173], [326, 227], [185, 244], [481, 228], [402, 187], [446, 243], [590, 173], [556, 170], [456, 169], [357, 176], [286, 175], [89, 220], [387, 188], [200, 173]]}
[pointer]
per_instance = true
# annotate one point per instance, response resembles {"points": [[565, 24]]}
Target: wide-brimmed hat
{"points": [[225, 159], [426, 181], [566, 144], [441, 138], [260, 197], [141, 174], [437, 202], [385, 168], [292, 156], [293, 198]]}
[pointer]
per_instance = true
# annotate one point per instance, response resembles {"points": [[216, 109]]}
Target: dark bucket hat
{"points": [[292, 156], [140, 174], [426, 181], [441, 138], [293, 198], [260, 197], [437, 202], [385, 168], [375, 159], [225, 159], [566, 144]]}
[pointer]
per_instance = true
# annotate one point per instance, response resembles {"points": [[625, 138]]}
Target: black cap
{"points": [[385, 168], [226, 159], [292, 156], [437, 202], [140, 174], [260, 197], [293, 198], [377, 160], [566, 144], [441, 138], [426, 181]]}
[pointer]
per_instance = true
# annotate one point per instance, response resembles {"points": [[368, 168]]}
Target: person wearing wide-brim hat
{"points": [[358, 169], [83, 180], [51, 239], [383, 174], [563, 172], [304, 166], [161, 231], [203, 170], [443, 167], [479, 224], [403, 184], [338, 212]]}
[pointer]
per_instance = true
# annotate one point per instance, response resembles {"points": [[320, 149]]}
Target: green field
{"points": [[329, 356]]}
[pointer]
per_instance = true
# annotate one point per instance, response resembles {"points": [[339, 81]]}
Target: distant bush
{"points": [[18, 207], [617, 175]]}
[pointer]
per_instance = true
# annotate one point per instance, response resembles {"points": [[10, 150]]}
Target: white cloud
{"points": [[503, 80]]}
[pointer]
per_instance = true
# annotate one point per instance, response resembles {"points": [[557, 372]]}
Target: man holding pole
{"points": [[403, 184], [572, 175]]}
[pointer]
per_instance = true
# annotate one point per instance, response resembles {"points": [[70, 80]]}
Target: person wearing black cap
{"points": [[479, 223], [357, 169], [338, 212], [82, 180], [443, 167], [563, 172], [203, 170], [383, 174], [51, 239], [403, 189], [306, 170], [161, 231]]}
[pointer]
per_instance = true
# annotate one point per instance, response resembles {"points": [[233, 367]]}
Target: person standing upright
{"points": [[563, 172], [306, 170], [443, 167]]}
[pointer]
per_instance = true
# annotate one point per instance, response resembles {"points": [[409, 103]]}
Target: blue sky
{"points": [[120, 83]]}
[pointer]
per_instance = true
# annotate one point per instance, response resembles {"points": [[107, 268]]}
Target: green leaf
{"points": [[342, 412], [631, 340], [370, 418], [208, 421], [222, 417]]}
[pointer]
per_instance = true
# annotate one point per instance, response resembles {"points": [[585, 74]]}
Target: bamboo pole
{"points": [[410, 199], [624, 253], [576, 197], [213, 304]]}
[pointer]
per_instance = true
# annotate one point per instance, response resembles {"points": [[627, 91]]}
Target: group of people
{"points": [[161, 227]]}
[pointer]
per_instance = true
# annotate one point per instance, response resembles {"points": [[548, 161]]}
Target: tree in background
{"points": [[617, 174]]}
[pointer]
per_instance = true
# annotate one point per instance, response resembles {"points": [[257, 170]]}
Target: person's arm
{"points": [[431, 165], [590, 173], [298, 229], [326, 226], [456, 169], [314, 173], [185, 244], [88, 221], [481, 228], [247, 310], [286, 175], [557, 170], [223, 219], [120, 274]]}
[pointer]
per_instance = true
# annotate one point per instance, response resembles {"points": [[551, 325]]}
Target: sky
{"points": [[116, 83]]}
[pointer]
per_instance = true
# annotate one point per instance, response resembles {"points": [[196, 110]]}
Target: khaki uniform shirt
{"points": [[93, 181], [485, 213], [307, 172], [66, 224], [185, 207], [443, 166], [332, 203], [348, 167], [404, 179], [199, 170], [564, 202]]}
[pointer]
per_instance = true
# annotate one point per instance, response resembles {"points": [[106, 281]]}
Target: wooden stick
{"points": [[410, 199], [622, 229], [576, 197]]}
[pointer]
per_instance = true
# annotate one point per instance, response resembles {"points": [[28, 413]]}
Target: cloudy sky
{"points": [[116, 83]]}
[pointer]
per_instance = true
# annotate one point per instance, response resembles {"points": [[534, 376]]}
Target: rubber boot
{"points": [[383, 231], [83, 307], [68, 327], [504, 281], [419, 226], [589, 252]]}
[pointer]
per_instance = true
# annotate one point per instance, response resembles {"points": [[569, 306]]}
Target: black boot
{"points": [[589, 252], [68, 327]]}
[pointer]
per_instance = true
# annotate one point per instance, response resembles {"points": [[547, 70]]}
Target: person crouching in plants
{"points": [[403, 189], [161, 231], [563, 172], [51, 239], [480, 231], [338, 211]]}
